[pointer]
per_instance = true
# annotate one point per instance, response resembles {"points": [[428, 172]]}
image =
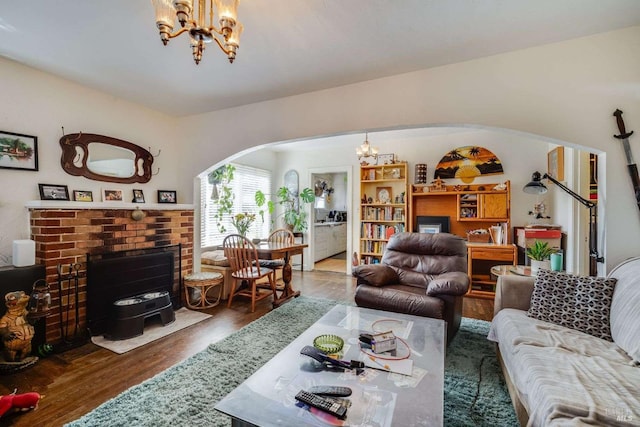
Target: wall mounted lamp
{"points": [[537, 187]]}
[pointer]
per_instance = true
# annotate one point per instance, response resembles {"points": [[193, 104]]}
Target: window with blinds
{"points": [[246, 181]]}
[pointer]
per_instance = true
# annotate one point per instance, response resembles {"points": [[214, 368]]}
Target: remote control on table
{"points": [[325, 404], [330, 390]]}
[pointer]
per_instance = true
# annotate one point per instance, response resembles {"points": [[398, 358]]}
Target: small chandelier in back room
{"points": [[198, 21], [366, 150]]}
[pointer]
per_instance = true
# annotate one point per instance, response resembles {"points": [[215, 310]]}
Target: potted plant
{"points": [[242, 222], [540, 252], [222, 193], [294, 216]]}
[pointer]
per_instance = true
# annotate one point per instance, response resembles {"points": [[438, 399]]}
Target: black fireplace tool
{"points": [[70, 278]]}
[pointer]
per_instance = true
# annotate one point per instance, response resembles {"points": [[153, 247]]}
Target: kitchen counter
{"points": [[330, 238]]}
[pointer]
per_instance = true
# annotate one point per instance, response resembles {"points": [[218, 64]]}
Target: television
{"points": [[432, 224]]}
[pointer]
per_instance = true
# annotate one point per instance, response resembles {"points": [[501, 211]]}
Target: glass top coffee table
{"points": [[379, 398]]}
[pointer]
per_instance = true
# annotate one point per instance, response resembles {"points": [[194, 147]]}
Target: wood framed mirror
{"points": [[103, 158], [291, 181]]}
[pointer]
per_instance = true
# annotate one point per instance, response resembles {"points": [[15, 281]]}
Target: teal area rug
{"points": [[185, 394]]}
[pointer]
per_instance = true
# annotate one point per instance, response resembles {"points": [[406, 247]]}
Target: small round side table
{"points": [[197, 287], [517, 270]]}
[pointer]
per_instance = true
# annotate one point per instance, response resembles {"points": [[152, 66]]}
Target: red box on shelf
{"points": [[542, 234], [527, 236]]}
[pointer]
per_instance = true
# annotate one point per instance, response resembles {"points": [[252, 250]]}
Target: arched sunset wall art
{"points": [[466, 163]]}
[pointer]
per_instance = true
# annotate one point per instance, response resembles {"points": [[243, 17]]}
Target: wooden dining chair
{"points": [[246, 270], [279, 236]]}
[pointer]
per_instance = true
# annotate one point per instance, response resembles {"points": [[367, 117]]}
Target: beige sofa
{"points": [[561, 376]]}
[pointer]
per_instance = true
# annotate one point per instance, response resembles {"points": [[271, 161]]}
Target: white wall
{"points": [[39, 104], [518, 165], [565, 92], [339, 197]]}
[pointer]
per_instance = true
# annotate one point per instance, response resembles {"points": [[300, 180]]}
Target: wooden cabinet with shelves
{"points": [[383, 208], [494, 206], [483, 206], [470, 207], [480, 258]]}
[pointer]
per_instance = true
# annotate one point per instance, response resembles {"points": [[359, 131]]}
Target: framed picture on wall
{"points": [[555, 163], [18, 151]]}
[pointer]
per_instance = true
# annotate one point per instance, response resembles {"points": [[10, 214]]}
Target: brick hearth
{"points": [[65, 236]]}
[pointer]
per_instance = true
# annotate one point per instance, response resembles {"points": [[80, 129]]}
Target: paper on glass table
{"points": [[403, 366], [409, 381], [355, 321]]}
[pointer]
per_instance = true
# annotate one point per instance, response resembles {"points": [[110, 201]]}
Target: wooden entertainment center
{"points": [[466, 208], [386, 208]]}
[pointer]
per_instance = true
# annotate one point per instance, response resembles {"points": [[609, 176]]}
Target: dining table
{"points": [[272, 251]]}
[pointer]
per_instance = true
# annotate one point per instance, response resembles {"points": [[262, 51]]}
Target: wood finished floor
{"points": [[77, 381], [333, 265]]}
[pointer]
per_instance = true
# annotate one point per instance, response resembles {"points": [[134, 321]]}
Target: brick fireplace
{"points": [[66, 235]]}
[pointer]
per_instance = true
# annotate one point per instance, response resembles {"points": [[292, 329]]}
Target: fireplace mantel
{"points": [[66, 232], [58, 204]]}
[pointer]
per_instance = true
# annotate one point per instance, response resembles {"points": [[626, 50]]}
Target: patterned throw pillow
{"points": [[582, 303]]}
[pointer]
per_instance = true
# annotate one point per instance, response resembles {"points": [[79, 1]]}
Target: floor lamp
{"points": [[537, 187]]}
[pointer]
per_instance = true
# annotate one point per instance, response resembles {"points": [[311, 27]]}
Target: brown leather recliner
{"points": [[420, 274]]}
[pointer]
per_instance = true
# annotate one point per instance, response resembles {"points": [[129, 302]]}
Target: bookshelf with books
{"points": [[383, 208]]}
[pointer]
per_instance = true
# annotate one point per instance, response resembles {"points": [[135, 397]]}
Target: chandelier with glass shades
{"points": [[198, 21], [366, 150]]}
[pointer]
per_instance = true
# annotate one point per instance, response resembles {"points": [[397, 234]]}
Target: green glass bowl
{"points": [[329, 344]]}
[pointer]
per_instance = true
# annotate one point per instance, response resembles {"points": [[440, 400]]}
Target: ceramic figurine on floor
{"points": [[354, 260], [15, 331]]}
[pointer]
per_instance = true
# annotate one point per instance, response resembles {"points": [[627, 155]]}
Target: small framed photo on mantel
{"points": [[167, 196], [53, 192], [138, 196], [112, 195], [82, 196]]}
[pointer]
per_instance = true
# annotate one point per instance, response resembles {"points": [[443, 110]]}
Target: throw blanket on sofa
{"points": [[571, 378]]}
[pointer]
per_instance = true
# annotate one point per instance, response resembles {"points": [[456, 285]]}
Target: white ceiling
{"points": [[288, 47]]}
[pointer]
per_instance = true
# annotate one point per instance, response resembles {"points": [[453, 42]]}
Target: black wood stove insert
{"points": [[127, 274]]}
